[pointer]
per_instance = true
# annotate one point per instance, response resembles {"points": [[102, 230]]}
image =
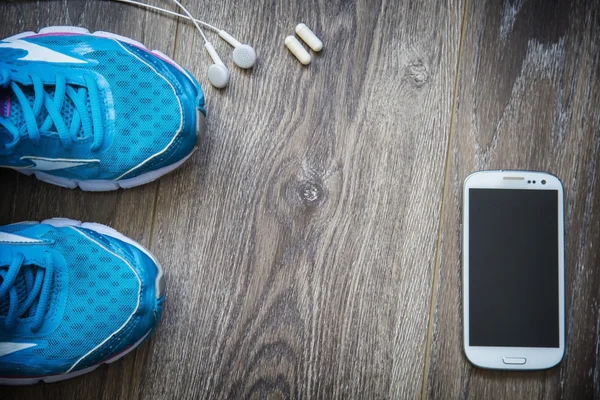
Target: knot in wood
{"points": [[311, 193], [417, 72]]}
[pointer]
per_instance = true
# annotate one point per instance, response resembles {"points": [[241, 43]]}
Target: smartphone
{"points": [[513, 270]]}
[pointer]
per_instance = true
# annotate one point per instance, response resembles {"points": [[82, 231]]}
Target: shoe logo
{"points": [[7, 348], [10, 238], [53, 164], [36, 52]]}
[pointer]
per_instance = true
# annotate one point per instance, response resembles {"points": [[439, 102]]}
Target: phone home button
{"points": [[514, 360]]}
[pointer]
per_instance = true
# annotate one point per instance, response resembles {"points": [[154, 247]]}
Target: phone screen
{"points": [[513, 268]]}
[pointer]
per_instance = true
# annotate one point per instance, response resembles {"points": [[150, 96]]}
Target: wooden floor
{"points": [[311, 246]]}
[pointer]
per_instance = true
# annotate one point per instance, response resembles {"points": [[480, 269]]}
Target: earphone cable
{"points": [[190, 18]]}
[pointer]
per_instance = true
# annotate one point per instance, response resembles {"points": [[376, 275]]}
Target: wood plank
{"points": [[130, 212], [528, 98], [299, 242]]}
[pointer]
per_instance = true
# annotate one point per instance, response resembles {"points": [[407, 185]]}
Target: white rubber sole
{"points": [[75, 30], [108, 185], [160, 290], [103, 185], [64, 377]]}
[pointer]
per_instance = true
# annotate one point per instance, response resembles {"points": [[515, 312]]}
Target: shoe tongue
{"points": [[21, 287], [10, 108], [5, 103], [6, 108]]}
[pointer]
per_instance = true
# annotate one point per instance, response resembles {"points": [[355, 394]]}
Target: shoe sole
{"points": [[104, 185], [160, 291], [64, 377], [109, 185]]}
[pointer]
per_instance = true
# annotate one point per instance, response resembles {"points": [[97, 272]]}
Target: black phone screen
{"points": [[513, 268]]}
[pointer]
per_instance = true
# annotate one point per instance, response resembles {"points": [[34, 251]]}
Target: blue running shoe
{"points": [[98, 111], [72, 296]]}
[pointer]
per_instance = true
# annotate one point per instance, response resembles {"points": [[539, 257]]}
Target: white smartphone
{"points": [[513, 270]]}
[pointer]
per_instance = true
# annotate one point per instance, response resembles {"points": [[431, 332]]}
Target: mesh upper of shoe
{"points": [[102, 294], [142, 108]]}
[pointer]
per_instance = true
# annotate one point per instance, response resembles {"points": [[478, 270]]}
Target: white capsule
{"points": [[297, 49], [309, 37]]}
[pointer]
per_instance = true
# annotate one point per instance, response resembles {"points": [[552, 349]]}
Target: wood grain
{"points": [[529, 94], [299, 252], [298, 242], [304, 241]]}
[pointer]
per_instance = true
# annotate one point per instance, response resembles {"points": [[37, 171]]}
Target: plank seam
{"points": [[436, 269]]}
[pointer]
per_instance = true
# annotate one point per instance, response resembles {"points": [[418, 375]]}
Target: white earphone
{"points": [[218, 74], [244, 55]]}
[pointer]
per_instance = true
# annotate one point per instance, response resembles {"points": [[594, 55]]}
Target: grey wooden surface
{"points": [[311, 247], [528, 98]]}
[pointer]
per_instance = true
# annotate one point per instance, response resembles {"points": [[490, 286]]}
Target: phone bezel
{"points": [[492, 357]]}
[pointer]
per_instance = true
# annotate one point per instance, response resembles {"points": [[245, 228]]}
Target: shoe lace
{"points": [[91, 126], [38, 290]]}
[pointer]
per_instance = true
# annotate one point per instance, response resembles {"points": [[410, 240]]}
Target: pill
{"points": [[309, 37], [297, 49]]}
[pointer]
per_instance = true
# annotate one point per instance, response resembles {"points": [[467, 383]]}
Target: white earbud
{"points": [[244, 55], [218, 74]]}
